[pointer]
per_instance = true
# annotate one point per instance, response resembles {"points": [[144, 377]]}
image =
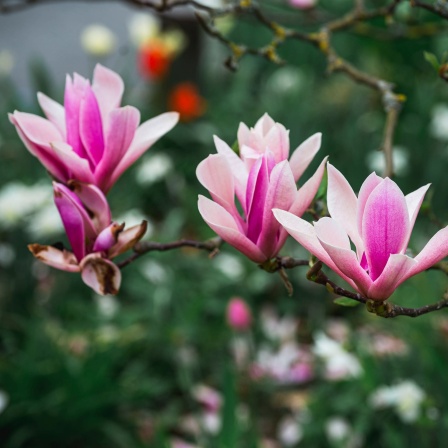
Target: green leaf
{"points": [[322, 191], [432, 59], [236, 147], [345, 301]]}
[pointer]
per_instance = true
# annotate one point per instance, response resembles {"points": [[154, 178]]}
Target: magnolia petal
{"points": [[237, 167], [43, 152], [77, 167], [122, 127], [414, 201], [222, 222], [394, 273], [59, 259], [78, 225], [37, 130], [145, 136], [385, 225], [91, 127], [343, 204], [107, 237], [277, 141], [108, 88], [100, 274], [215, 174], [94, 201], [305, 234], [128, 239], [304, 154], [74, 92], [256, 198], [336, 243], [372, 181], [264, 124], [281, 193], [435, 250], [308, 191], [53, 111]]}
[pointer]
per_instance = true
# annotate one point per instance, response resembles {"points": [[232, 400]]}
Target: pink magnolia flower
{"points": [[261, 178], [94, 238], [239, 316], [379, 223], [91, 138]]}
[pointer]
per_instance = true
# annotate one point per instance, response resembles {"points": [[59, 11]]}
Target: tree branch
{"points": [[212, 245]]}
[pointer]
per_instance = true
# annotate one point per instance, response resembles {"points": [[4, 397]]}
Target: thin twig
{"points": [[144, 247], [380, 308]]}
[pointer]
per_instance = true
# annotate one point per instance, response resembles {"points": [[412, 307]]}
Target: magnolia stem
{"points": [[144, 247]]}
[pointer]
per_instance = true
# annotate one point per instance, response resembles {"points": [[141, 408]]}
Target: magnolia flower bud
{"points": [[239, 316]]}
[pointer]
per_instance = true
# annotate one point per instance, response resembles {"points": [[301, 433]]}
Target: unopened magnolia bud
{"points": [[239, 316]]}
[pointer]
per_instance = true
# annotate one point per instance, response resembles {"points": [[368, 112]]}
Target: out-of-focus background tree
{"points": [[159, 365]]}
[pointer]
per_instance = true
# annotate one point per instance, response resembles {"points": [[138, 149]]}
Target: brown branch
{"points": [[436, 8], [380, 308], [212, 245]]}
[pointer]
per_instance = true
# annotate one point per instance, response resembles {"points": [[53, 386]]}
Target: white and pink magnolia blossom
{"points": [[378, 223], [93, 236], [261, 178], [91, 138]]}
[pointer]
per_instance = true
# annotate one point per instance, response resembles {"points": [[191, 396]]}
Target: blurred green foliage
{"points": [[76, 375]]}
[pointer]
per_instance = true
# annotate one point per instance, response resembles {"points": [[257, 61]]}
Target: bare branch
{"points": [[144, 247]]}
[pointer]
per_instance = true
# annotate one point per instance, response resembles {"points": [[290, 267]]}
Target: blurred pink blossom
{"points": [[302, 4], [239, 316]]}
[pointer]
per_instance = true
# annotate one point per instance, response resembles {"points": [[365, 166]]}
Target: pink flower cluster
{"points": [[86, 145], [378, 223]]}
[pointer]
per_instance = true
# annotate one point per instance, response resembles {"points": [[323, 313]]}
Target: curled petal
{"points": [[100, 274], [128, 239], [304, 154], [385, 225], [59, 259], [222, 222], [108, 237]]}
